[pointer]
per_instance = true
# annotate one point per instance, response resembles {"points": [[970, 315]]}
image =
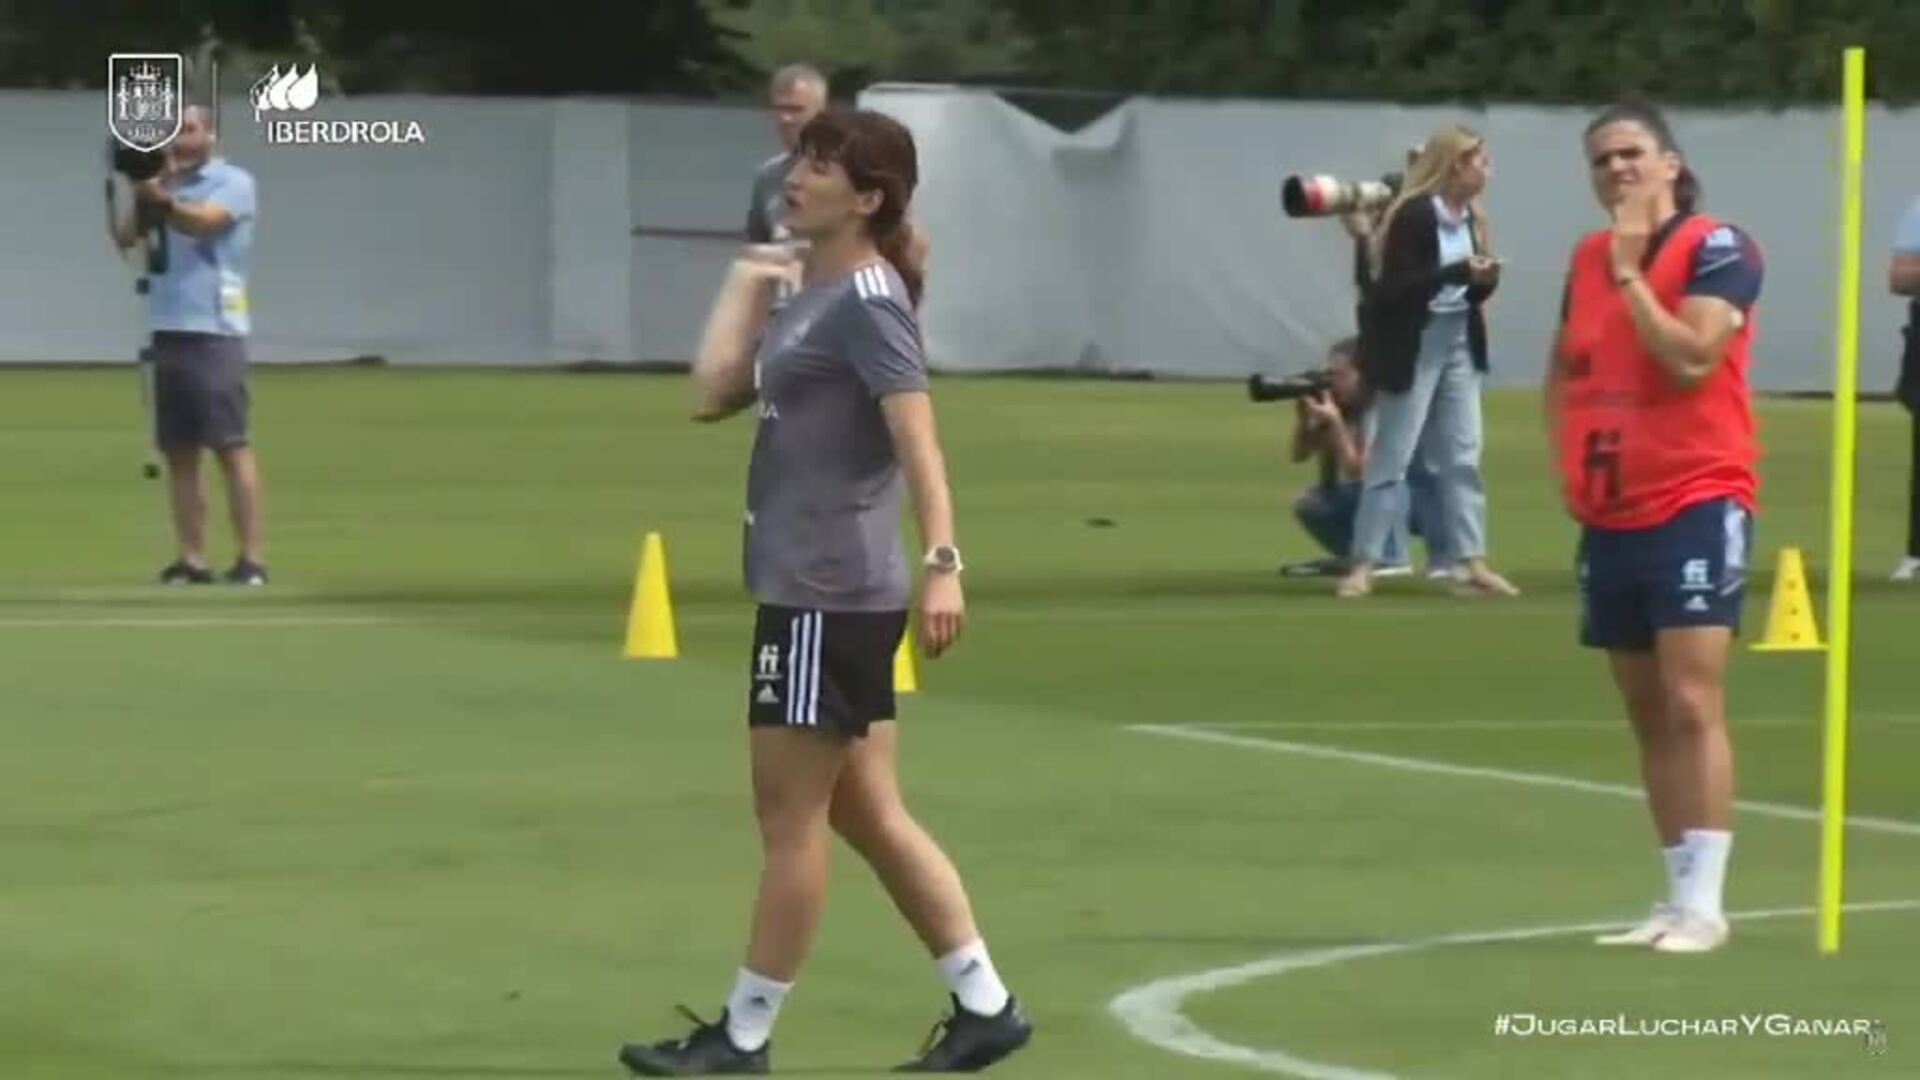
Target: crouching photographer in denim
{"points": [[1332, 414]]}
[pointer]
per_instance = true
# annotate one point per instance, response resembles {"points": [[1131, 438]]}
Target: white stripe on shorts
{"points": [[812, 718], [803, 670], [793, 663]]}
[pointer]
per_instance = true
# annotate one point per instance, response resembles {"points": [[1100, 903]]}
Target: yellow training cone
{"points": [[1790, 625], [904, 680], [650, 634]]}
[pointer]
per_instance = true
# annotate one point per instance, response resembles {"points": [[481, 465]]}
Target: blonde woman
{"points": [[1423, 350]]}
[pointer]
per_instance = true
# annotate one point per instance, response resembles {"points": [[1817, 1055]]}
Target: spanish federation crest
{"points": [[145, 97]]}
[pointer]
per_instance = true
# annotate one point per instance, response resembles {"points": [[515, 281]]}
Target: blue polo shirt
{"points": [[1906, 240], [205, 286]]}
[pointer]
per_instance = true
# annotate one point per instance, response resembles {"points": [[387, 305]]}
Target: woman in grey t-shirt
{"points": [[833, 365]]}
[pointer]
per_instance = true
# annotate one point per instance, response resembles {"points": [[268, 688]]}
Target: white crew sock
{"points": [[1677, 859], [969, 973], [1705, 881], [752, 1008]]}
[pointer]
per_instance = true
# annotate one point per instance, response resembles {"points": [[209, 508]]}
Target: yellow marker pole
{"points": [[1840, 587]]}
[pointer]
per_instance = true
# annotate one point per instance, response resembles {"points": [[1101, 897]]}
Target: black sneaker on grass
{"points": [[181, 572], [246, 572], [969, 1042], [708, 1051]]}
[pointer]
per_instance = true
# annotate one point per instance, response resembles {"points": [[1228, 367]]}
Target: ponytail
{"points": [[1686, 191], [902, 246]]}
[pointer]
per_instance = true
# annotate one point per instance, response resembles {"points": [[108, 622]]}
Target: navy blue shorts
{"points": [[1690, 571]]}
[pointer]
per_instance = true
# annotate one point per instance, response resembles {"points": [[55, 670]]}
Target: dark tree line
{"points": [[1769, 52], [1766, 52]]}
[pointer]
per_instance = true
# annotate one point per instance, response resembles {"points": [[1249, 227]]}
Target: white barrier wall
{"points": [[555, 231], [1152, 239], [506, 238]]}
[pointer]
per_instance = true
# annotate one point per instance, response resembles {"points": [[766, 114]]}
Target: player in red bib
{"points": [[1649, 401]]}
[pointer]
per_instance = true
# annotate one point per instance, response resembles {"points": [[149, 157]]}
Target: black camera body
{"points": [[1304, 384], [135, 165], [150, 220]]}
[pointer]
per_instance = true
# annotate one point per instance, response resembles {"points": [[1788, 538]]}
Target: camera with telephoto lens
{"points": [[1304, 196], [1304, 384], [135, 165]]}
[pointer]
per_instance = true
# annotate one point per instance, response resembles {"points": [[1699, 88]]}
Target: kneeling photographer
{"points": [[1332, 413]]}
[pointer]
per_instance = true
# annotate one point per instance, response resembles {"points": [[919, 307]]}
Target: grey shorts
{"points": [[200, 396]]}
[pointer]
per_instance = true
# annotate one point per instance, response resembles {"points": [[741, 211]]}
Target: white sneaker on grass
{"points": [[1693, 933], [1650, 930]]}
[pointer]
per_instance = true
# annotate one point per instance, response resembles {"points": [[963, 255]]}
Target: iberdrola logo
{"points": [[289, 92], [297, 91]]}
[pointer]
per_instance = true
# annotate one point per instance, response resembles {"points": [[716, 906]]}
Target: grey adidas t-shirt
{"points": [[769, 192], [824, 489]]}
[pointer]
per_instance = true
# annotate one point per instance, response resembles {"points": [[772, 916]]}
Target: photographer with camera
{"points": [[1361, 210], [1331, 415], [1361, 223], [1903, 280], [196, 214], [1423, 350]]}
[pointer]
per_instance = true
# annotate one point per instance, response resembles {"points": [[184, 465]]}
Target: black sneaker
{"points": [[969, 1042], [708, 1051], [181, 572], [246, 572]]}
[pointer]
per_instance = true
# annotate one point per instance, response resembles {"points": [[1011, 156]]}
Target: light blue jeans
{"points": [[1327, 512], [1439, 419]]}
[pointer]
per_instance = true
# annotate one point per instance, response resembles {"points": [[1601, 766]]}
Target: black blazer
{"points": [[1394, 307]]}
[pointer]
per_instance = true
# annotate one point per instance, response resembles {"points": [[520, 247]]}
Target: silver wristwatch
{"points": [[943, 557]]}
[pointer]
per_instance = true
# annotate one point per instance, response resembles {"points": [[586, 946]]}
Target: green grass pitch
{"points": [[407, 813]]}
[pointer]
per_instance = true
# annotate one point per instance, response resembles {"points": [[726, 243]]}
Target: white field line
{"points": [[1511, 776], [203, 622], [1152, 1012], [1737, 722]]}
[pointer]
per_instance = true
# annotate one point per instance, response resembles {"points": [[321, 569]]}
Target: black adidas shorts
{"points": [[826, 670]]}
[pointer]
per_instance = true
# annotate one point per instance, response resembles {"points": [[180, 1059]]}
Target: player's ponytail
{"points": [[1686, 191], [904, 247]]}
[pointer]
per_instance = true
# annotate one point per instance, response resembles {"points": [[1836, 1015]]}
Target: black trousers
{"points": [[1913, 490]]}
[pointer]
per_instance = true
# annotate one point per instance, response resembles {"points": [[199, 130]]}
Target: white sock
{"points": [[752, 1008], [1677, 859], [969, 973], [1707, 873]]}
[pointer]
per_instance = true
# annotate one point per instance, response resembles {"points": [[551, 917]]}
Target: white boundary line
{"points": [[1152, 1011], [1811, 720], [149, 622], [132, 613], [1511, 776]]}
